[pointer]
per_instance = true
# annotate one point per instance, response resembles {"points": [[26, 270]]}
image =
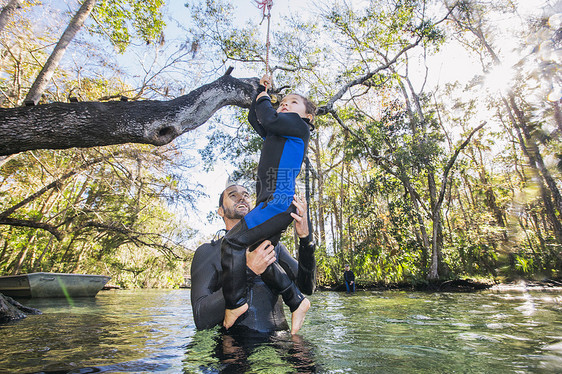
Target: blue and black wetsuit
{"points": [[285, 144], [265, 313]]}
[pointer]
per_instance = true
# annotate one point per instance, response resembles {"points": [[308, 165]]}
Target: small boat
{"points": [[52, 285]]}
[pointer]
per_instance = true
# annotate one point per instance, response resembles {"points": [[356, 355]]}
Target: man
{"points": [[265, 312], [349, 279]]}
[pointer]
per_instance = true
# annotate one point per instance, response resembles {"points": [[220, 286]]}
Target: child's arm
{"points": [[264, 112], [252, 117]]}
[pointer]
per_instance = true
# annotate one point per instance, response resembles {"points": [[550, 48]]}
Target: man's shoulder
{"points": [[205, 248]]}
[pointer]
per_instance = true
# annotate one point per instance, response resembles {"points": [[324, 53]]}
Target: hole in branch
{"points": [[166, 131]]}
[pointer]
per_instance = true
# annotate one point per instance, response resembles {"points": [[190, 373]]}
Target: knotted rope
{"points": [[265, 6]]}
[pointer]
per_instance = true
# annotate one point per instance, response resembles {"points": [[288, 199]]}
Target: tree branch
{"points": [[330, 104], [88, 124], [452, 161], [133, 236], [51, 185], [33, 224]]}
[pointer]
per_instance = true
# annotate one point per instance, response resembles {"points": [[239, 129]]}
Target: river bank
{"points": [[457, 285]]}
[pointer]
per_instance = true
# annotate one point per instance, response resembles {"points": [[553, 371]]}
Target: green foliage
{"points": [[121, 20], [112, 216], [386, 192]]}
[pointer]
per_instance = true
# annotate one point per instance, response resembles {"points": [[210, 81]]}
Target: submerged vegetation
{"points": [[422, 168]]}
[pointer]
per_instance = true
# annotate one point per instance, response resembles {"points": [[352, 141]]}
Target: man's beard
{"points": [[234, 213]]}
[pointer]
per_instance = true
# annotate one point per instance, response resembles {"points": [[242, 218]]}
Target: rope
{"points": [[265, 6]]}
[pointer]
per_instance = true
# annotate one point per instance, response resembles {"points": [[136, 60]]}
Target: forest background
{"points": [[437, 153]]}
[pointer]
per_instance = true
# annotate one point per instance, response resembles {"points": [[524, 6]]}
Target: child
{"points": [[286, 133]]}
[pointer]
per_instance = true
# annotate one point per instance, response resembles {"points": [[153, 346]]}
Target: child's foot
{"points": [[231, 315], [298, 316]]}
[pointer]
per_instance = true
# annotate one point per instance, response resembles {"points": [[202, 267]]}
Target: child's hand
{"points": [[266, 81]]}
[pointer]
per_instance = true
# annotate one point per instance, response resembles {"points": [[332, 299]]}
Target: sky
{"points": [[445, 68], [451, 65], [215, 181]]}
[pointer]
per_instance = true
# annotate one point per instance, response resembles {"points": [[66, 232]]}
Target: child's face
{"points": [[293, 104]]}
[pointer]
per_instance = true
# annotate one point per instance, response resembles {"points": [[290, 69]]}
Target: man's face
{"points": [[236, 203]]}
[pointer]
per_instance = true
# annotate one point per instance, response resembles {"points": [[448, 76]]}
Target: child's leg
{"points": [[262, 222], [297, 318], [233, 261], [279, 282]]}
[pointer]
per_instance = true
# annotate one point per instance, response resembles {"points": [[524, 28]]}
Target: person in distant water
{"points": [[285, 134], [349, 279], [265, 313]]}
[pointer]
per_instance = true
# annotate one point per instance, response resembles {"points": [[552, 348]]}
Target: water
{"points": [[152, 331]]}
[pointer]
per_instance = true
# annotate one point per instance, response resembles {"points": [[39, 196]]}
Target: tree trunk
{"points": [[419, 216], [436, 249], [7, 12], [38, 261], [17, 264], [522, 123], [89, 124], [557, 117], [341, 224], [437, 203], [433, 273], [52, 63], [525, 140], [320, 180]]}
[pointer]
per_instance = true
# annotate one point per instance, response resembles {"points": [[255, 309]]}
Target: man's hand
{"points": [[260, 258], [300, 217]]}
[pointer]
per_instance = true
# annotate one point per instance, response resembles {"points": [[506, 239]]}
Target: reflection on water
{"points": [[152, 331], [402, 332], [242, 352]]}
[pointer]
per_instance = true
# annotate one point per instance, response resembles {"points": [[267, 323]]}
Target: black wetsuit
{"points": [[285, 143], [265, 312]]}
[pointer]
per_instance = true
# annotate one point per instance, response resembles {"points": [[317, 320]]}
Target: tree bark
{"points": [[530, 150], [320, 179], [89, 124], [52, 63], [7, 12], [436, 207]]}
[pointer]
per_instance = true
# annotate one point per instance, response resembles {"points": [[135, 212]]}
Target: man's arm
{"points": [[207, 300], [306, 278], [302, 272]]}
